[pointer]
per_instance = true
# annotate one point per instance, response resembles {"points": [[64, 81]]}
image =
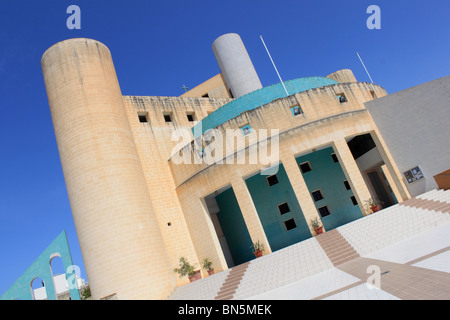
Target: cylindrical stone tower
{"points": [[121, 243], [236, 65]]}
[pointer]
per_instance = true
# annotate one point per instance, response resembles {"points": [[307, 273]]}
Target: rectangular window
{"points": [[305, 167], [142, 117], [168, 117], [246, 130], [296, 110], [317, 195], [323, 211], [283, 208], [355, 203], [347, 185], [334, 157], [271, 180], [341, 97], [290, 224], [191, 117]]}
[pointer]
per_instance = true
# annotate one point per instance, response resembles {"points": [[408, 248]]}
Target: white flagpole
{"points": [[274, 65], [364, 67]]}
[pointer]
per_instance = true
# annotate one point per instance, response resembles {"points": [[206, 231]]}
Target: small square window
{"points": [[341, 97], [305, 167], [190, 117], [290, 224], [334, 157], [296, 110], [373, 94], [347, 185], [317, 195], [355, 203], [283, 208], [142, 118], [168, 118], [271, 180], [323, 211], [246, 130]]}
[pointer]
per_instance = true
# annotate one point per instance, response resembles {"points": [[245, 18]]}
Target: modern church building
{"points": [[229, 163]]}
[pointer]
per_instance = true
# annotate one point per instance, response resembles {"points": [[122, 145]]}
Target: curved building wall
{"points": [[119, 235]]}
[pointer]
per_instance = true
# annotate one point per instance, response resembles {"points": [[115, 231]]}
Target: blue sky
{"points": [[159, 46]]}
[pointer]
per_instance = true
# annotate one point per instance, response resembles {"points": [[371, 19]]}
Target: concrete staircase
{"points": [[232, 282], [336, 247]]}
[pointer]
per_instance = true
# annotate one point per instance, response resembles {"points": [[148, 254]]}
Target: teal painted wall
{"points": [[328, 176], [21, 289], [267, 198], [256, 99], [234, 227]]}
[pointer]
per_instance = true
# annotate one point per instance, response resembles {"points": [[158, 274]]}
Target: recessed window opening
{"points": [[205, 95], [317, 195], [324, 211], [283, 208], [168, 117], [247, 129], [355, 203], [271, 180], [341, 97], [190, 117], [142, 117], [305, 167], [296, 110], [334, 157], [373, 94], [347, 185], [290, 224]]}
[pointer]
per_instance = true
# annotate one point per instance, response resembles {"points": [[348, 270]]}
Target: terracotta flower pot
{"points": [[211, 271], [319, 230], [375, 208], [197, 276], [258, 253]]}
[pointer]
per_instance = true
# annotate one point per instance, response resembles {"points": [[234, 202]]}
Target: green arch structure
{"points": [[40, 268]]}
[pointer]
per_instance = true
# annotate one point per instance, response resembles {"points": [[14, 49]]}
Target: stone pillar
{"points": [[120, 240], [249, 213], [301, 190], [351, 171]]}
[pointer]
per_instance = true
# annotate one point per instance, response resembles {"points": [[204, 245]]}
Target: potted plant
{"points": [[258, 249], [207, 265], [373, 205], [316, 225], [186, 269]]}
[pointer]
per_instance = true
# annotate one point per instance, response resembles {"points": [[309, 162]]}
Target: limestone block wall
{"points": [[119, 235]]}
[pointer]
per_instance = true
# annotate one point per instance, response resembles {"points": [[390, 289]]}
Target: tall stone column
{"points": [[249, 212], [121, 243], [351, 170]]}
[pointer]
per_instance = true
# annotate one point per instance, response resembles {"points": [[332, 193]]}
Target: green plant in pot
{"points": [[186, 269], [207, 265], [258, 249], [371, 205], [316, 225]]}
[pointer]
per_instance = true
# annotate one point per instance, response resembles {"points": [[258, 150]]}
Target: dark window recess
{"points": [[142, 118], [167, 118], [323, 211], [335, 158], [290, 224], [190, 117], [305, 167], [341, 97], [317, 195], [361, 144], [271, 180], [205, 95], [283, 208], [347, 185], [355, 203]]}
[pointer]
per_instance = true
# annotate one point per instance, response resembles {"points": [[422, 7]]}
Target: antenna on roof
{"points": [[364, 67], [274, 65]]}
